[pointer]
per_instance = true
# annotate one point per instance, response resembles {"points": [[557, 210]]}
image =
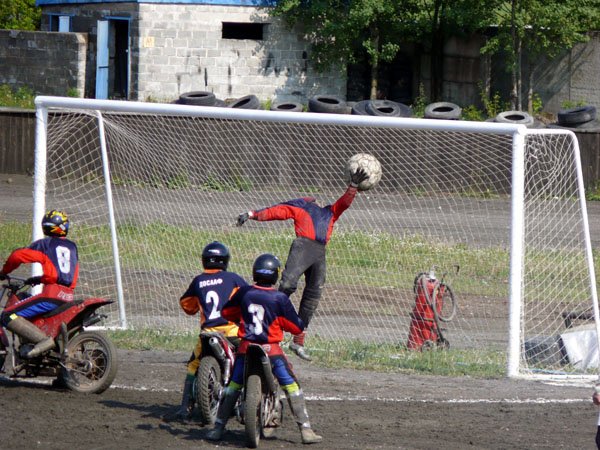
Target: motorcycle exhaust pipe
{"points": [[217, 349]]}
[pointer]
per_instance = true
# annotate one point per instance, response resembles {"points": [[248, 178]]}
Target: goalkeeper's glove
{"points": [[242, 218], [358, 177]]}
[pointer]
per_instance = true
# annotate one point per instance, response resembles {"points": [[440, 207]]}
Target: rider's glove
{"points": [[242, 218], [358, 177], [3, 276]]}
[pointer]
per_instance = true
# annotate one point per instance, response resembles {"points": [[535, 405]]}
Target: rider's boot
{"points": [[297, 346], [30, 332], [298, 407], [185, 410], [224, 412]]}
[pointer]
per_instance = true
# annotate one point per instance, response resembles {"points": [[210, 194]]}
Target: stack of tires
{"points": [[517, 118], [199, 98], [581, 118], [443, 110], [381, 108]]}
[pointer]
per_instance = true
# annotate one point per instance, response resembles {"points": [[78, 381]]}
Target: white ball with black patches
{"points": [[369, 164]]}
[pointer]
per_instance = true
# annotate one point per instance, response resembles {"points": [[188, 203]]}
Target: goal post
{"points": [[148, 185]]}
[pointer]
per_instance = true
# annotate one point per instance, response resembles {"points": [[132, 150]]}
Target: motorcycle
{"points": [[214, 371], [262, 405], [83, 361]]}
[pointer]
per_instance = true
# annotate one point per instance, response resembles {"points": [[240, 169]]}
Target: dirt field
{"points": [[351, 409]]}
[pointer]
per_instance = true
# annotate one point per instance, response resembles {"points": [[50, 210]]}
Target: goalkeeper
{"points": [[313, 225]]}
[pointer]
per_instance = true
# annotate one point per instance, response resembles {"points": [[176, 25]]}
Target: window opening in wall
{"points": [[59, 22], [243, 30]]}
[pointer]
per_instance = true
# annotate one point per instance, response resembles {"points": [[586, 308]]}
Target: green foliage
{"points": [[73, 92], [492, 105], [19, 15], [593, 193], [569, 104], [472, 113], [537, 105], [21, 98], [420, 103]]}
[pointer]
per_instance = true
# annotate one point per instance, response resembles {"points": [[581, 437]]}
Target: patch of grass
{"points": [[153, 340], [479, 363]]}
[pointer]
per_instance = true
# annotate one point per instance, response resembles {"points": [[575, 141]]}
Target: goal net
{"points": [[497, 210]]}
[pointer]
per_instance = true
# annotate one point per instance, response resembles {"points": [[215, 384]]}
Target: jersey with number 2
{"points": [[212, 290]]}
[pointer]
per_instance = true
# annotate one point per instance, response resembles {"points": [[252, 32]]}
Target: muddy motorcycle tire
{"points": [[209, 385], [253, 411], [91, 365]]}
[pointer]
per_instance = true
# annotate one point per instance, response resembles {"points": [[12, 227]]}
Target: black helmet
{"points": [[265, 270], [215, 256], [55, 223]]}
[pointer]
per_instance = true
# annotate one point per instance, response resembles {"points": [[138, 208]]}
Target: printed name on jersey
{"points": [[213, 282]]}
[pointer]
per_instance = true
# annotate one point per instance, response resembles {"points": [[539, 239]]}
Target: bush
{"points": [[22, 98]]}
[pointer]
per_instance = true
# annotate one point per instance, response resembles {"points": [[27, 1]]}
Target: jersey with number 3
{"points": [[208, 292], [58, 257], [264, 314]]}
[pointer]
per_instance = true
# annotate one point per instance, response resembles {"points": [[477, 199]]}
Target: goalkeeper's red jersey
{"points": [[264, 314], [310, 220]]}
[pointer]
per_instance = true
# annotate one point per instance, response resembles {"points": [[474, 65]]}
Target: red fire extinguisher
{"points": [[430, 295]]}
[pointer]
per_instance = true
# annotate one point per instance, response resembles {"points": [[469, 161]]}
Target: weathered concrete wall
{"points": [[571, 77], [192, 55], [177, 48], [48, 63]]}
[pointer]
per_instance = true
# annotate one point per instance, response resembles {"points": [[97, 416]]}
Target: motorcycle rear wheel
{"points": [[92, 363], [209, 385], [253, 410]]}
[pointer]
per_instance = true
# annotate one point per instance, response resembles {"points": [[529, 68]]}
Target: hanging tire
{"points": [[516, 117], [576, 116], [246, 102], [91, 364], [443, 110], [330, 104], [387, 108], [287, 106], [209, 385], [197, 98]]}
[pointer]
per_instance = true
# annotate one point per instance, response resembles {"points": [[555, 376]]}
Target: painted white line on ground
{"points": [[538, 401], [510, 401]]}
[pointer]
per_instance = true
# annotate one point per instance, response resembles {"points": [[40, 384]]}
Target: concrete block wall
{"points": [[48, 63], [180, 49]]}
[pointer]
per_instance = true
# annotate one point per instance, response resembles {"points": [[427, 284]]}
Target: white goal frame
{"points": [[518, 133]]}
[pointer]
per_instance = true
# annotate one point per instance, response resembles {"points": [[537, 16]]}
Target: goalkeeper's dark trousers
{"points": [[306, 257]]}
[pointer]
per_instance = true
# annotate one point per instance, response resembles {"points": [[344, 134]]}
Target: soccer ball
{"points": [[369, 164]]}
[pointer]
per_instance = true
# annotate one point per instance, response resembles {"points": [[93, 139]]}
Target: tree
{"points": [[437, 21], [339, 31], [541, 29], [19, 15]]}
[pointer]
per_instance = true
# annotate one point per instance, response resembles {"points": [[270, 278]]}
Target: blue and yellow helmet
{"points": [[55, 223]]}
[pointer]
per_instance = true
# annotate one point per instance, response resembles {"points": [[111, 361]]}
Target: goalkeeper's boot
{"points": [[25, 329], [298, 407], [224, 412], [297, 346]]}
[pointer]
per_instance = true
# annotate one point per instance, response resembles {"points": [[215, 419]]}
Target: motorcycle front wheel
{"points": [[209, 385], [91, 364], [253, 410]]}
